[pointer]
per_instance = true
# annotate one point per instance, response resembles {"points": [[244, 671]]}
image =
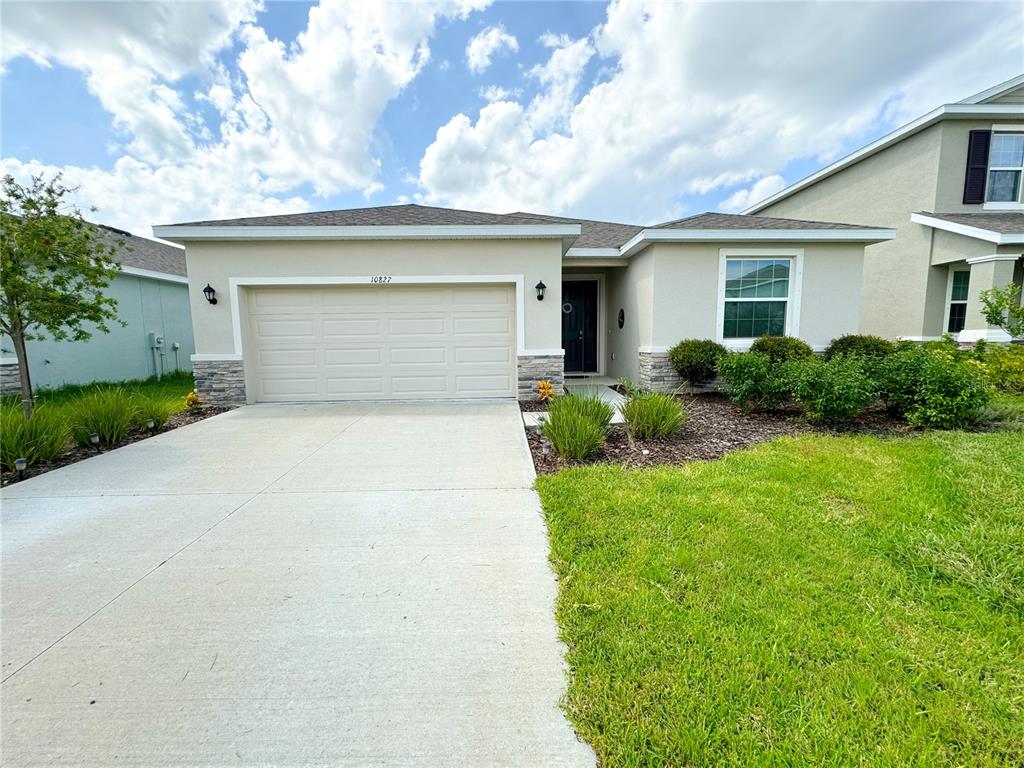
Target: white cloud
{"points": [[130, 54], [744, 198], [697, 98], [499, 93], [559, 79], [289, 116], [485, 45]]}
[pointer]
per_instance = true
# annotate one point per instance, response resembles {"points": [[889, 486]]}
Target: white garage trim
{"points": [[234, 283]]}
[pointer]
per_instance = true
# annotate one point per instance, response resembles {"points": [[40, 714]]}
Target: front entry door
{"points": [[579, 325]]}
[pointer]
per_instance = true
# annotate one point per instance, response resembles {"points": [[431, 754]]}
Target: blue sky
{"points": [[182, 111]]}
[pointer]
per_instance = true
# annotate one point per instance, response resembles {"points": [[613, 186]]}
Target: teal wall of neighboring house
{"points": [[147, 306]]}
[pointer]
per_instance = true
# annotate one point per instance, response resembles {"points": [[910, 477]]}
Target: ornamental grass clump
{"points": [[577, 425], [147, 407], [653, 415], [835, 390], [588, 406], [109, 413], [41, 437]]}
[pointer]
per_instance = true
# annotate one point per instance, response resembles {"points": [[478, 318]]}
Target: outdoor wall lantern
{"points": [[210, 294], [540, 290]]}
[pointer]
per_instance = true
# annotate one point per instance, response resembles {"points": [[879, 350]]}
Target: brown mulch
{"points": [[78, 453], [714, 426], [532, 406]]}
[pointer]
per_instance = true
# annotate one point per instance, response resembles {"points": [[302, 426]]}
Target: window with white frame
{"points": [[756, 297], [960, 282], [1005, 167]]}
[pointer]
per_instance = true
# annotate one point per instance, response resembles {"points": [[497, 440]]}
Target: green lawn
{"points": [[812, 601], [173, 386]]}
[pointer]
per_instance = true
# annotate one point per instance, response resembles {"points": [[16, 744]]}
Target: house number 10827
{"points": [[380, 278]]}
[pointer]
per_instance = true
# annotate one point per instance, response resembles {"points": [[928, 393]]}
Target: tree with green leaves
{"points": [[54, 269], [1002, 308]]}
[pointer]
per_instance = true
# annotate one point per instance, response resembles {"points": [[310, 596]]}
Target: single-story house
{"points": [[152, 299], [415, 302], [950, 184]]}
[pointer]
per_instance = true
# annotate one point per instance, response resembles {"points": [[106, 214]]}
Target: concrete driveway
{"points": [[345, 585]]}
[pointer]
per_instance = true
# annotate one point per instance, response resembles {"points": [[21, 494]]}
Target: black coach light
{"points": [[210, 294], [540, 290]]}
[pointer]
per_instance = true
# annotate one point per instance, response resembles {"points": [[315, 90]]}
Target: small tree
{"points": [[1002, 308], [54, 268]]}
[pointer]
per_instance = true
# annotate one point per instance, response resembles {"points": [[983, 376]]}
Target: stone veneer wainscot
{"points": [[656, 373], [537, 368], [220, 382]]}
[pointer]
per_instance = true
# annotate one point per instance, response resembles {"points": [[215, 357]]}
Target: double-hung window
{"points": [[958, 301], [757, 296], [1005, 168]]}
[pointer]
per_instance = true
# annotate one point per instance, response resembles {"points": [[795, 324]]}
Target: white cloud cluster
{"points": [[745, 197], [483, 46], [292, 115], [698, 98]]}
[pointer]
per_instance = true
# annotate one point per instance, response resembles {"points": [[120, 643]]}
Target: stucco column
{"points": [[994, 271]]}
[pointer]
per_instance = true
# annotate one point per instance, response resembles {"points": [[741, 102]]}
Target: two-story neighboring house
{"points": [[950, 184]]}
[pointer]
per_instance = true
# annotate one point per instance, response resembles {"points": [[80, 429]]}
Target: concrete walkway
{"points": [[345, 585]]}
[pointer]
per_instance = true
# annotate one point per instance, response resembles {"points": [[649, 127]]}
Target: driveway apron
{"points": [[329, 584]]}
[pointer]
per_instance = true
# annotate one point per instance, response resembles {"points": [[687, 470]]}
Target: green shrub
{"points": [[39, 439], [653, 414], [1004, 365], [696, 360], [782, 349], [159, 409], [862, 346], [111, 413], [931, 386], [833, 390], [586, 406], [572, 434], [755, 382]]}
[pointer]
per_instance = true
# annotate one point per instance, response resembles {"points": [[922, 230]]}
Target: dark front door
{"points": [[579, 325]]}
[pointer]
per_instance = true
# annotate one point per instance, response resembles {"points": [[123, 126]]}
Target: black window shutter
{"points": [[977, 166]]}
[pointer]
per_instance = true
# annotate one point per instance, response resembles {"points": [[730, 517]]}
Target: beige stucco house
{"points": [[414, 302], [949, 184]]}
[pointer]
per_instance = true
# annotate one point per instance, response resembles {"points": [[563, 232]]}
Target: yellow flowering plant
{"points": [[192, 401], [545, 391]]}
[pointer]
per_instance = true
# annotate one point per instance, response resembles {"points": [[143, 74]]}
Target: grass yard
{"points": [[816, 600], [173, 386]]}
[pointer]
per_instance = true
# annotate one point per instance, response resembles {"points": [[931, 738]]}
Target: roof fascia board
{"points": [[593, 253], [995, 90], [649, 236], [956, 111], [179, 233], [999, 238], [153, 274]]}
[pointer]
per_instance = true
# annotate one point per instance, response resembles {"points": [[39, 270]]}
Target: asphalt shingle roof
{"points": [[384, 215], [1003, 222], [740, 221], [594, 234], [143, 253]]}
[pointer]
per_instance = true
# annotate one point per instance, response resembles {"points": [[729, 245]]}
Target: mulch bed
{"points": [[532, 406], [714, 427], [78, 453]]}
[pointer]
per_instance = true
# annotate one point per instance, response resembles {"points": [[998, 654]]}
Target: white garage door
{"points": [[387, 342]]}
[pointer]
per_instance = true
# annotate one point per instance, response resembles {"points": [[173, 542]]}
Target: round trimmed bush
{"points": [[696, 360], [782, 349], [860, 346]]}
